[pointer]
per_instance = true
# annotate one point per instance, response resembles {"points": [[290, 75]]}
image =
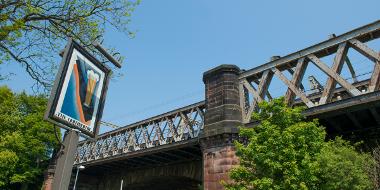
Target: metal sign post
{"points": [[76, 103], [65, 160]]}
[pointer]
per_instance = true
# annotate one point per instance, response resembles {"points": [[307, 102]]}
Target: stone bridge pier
{"points": [[222, 118]]}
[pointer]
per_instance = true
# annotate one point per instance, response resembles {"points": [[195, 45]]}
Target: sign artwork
{"points": [[78, 95]]}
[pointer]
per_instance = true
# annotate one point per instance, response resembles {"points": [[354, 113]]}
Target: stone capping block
{"points": [[220, 69], [223, 112]]}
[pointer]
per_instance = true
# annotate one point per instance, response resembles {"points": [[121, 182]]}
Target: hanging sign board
{"points": [[78, 95]]}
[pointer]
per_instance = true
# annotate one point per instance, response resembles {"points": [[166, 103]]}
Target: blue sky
{"points": [[176, 41]]}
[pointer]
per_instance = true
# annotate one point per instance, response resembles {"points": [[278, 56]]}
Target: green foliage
{"points": [[286, 152], [26, 141], [343, 167], [33, 32]]}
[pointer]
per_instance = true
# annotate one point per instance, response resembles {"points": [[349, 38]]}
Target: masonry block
{"points": [[217, 163], [48, 179]]}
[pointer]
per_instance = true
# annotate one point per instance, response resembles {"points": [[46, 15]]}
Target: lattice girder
{"points": [[176, 126], [297, 63]]}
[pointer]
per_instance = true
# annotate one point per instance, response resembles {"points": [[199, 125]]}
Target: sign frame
{"points": [[58, 87]]}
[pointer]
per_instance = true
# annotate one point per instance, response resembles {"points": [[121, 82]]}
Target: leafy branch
{"points": [[33, 32]]}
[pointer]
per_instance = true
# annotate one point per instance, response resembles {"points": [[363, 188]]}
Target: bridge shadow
{"points": [[165, 183], [355, 118], [167, 169]]}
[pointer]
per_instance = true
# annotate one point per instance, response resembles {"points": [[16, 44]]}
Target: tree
{"points": [[286, 152], [344, 168], [33, 32], [375, 170], [26, 140]]}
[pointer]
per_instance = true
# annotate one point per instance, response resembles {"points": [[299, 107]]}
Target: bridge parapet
{"points": [[176, 126], [255, 83]]}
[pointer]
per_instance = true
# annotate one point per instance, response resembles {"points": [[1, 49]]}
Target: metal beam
{"points": [[337, 68], [259, 94], [144, 158], [106, 54], [315, 49], [189, 153], [252, 90], [138, 136], [174, 155], [340, 90], [365, 50], [244, 100], [296, 79], [347, 105], [351, 69], [293, 88], [375, 78], [142, 152], [267, 94], [161, 157], [156, 118], [264, 83], [349, 87]]}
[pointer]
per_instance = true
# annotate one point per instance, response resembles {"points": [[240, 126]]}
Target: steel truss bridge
{"points": [[172, 128], [182, 127]]}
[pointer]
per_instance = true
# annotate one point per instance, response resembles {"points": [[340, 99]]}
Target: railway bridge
{"points": [[192, 147]]}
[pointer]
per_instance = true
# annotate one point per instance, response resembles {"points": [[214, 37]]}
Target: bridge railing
{"points": [[168, 128], [255, 84]]}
